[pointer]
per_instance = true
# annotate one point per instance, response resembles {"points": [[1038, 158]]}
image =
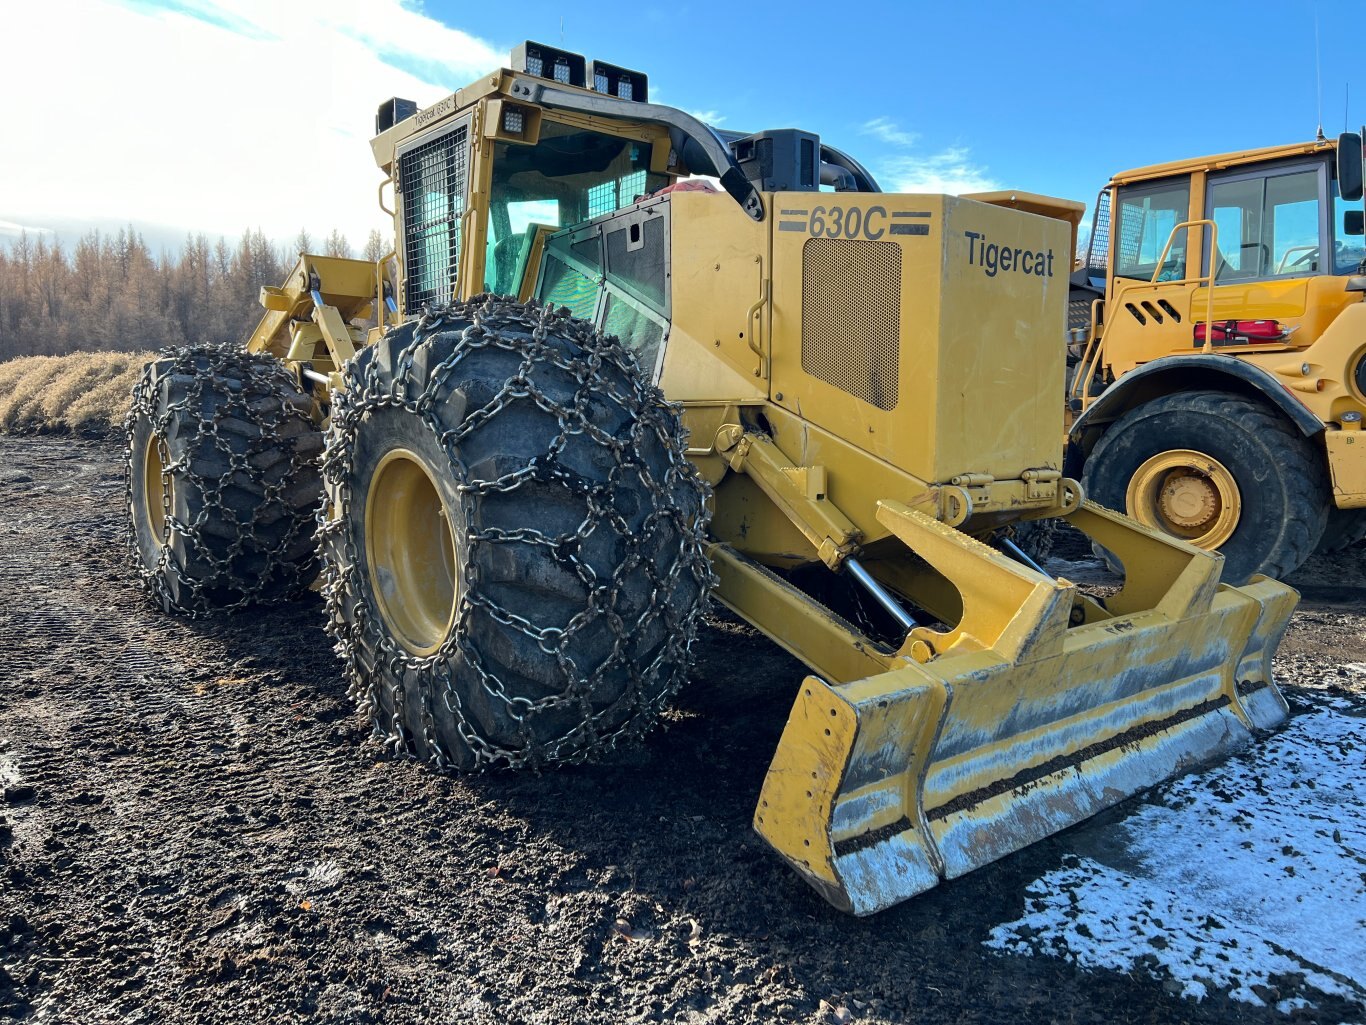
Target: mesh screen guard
{"points": [[432, 183], [851, 317]]}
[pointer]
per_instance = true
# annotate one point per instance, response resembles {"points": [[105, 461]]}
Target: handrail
{"points": [[1090, 360], [1081, 384], [1205, 279], [754, 321], [383, 309]]}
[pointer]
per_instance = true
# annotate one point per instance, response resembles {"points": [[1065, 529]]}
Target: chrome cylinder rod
{"points": [[880, 594], [1019, 553]]}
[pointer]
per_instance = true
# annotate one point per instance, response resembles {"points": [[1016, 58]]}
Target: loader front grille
{"points": [[851, 316], [432, 183]]}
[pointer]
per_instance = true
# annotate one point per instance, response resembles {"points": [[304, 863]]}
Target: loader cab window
{"points": [[1270, 222], [567, 177], [1147, 215]]}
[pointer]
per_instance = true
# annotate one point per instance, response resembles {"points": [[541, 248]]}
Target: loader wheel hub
{"points": [[155, 489], [411, 553], [1188, 501], [1187, 494]]}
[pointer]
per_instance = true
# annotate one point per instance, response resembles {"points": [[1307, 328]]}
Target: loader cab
{"points": [[1262, 238], [1278, 220]]}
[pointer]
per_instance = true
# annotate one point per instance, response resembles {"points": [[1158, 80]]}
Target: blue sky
{"points": [[265, 106], [1046, 97]]}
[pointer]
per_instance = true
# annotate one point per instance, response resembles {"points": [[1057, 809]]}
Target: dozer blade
{"points": [[1039, 709]]}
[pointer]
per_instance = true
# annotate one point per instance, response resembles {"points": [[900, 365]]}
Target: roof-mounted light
{"points": [[547, 62], [620, 82]]}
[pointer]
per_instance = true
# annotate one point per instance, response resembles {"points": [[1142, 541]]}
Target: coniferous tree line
{"points": [[111, 293]]}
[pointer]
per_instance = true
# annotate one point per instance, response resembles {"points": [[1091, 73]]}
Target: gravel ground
{"points": [[195, 827]]}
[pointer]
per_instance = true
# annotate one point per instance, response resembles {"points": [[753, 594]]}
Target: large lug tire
{"points": [[514, 549], [1219, 470], [1345, 528], [223, 481]]}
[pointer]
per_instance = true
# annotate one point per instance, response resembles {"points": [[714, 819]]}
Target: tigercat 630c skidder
{"points": [[599, 392]]}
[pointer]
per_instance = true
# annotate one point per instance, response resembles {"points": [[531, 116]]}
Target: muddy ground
{"points": [[195, 827]]}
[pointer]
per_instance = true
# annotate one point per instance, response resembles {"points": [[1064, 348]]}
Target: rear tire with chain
{"points": [[1346, 527], [222, 480], [1254, 465], [514, 556]]}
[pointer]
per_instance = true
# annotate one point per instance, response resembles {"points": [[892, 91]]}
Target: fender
{"points": [[1203, 371]]}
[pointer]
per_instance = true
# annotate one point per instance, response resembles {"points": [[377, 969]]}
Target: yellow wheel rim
{"points": [[155, 490], [410, 552], [1186, 494]]}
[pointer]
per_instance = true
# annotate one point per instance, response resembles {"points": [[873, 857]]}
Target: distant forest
{"points": [[110, 293]]}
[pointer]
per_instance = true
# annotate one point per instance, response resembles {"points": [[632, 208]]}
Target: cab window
{"points": [[1269, 224], [1147, 215], [569, 176]]}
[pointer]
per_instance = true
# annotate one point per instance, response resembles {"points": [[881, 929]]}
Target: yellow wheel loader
{"points": [[1220, 374], [592, 388]]}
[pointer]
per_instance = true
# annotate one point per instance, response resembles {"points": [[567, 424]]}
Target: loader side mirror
{"points": [[1352, 223], [1349, 166]]}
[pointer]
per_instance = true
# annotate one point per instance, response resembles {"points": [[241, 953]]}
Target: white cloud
{"points": [[11, 229], [708, 117], [224, 115], [886, 129], [949, 171]]}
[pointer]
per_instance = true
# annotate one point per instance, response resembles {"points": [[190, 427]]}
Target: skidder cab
{"points": [[603, 387]]}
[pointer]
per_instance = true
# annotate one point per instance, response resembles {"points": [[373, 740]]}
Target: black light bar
{"points": [[620, 82], [547, 62], [392, 111]]}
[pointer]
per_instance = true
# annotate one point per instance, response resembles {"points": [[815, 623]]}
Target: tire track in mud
{"points": [[211, 837], [121, 723]]}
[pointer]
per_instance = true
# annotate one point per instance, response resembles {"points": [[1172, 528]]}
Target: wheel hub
{"points": [[410, 552], [155, 489], [1188, 500], [1187, 494]]}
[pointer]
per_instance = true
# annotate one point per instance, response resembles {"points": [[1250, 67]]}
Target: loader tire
{"points": [[1346, 527], [1256, 489], [514, 560], [222, 481]]}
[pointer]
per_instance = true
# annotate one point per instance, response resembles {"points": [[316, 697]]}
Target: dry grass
{"points": [[81, 391]]}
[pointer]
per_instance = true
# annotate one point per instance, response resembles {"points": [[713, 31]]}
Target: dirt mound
{"points": [[82, 392]]}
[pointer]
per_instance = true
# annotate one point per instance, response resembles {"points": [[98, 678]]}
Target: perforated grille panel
{"points": [[851, 316], [432, 180]]}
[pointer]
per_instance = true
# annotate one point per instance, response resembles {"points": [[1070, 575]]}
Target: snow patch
{"points": [[1232, 881]]}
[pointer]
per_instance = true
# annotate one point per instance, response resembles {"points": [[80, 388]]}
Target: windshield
{"points": [[568, 176]]}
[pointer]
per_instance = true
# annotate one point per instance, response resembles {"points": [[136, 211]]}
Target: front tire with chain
{"points": [[514, 551], [222, 480], [1280, 485]]}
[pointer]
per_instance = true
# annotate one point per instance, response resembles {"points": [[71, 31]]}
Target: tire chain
{"points": [[255, 379], [349, 620]]}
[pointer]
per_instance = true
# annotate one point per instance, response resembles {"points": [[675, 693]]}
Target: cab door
{"points": [[1148, 299], [1273, 240]]}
